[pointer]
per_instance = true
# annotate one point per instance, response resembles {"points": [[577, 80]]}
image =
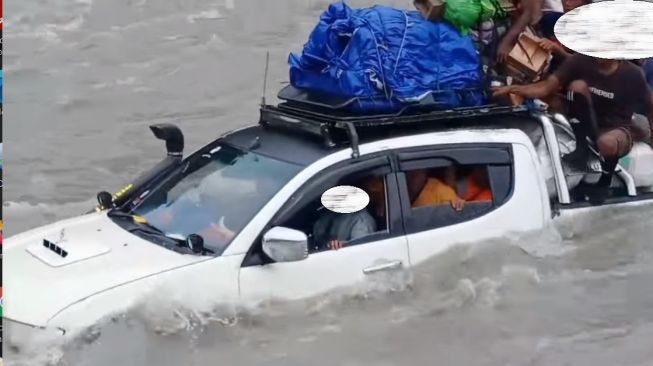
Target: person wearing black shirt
{"points": [[602, 95]]}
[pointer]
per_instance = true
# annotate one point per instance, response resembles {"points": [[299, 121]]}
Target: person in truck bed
{"points": [[538, 14], [647, 67], [602, 95], [551, 43], [430, 9]]}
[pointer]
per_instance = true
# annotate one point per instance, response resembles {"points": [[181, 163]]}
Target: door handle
{"points": [[382, 267]]}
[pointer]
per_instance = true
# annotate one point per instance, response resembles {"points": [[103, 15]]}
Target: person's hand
{"points": [[458, 204], [213, 236], [503, 50], [502, 90], [335, 244], [221, 231], [167, 216], [547, 44], [550, 46]]}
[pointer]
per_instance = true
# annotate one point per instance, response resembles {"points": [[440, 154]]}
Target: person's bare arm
{"points": [[530, 9], [541, 89], [554, 48]]}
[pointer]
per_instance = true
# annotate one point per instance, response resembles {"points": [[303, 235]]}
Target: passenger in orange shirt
{"points": [[477, 187], [430, 191]]}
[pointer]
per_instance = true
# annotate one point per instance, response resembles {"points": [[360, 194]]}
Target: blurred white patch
{"points": [[620, 29], [345, 199], [212, 14]]}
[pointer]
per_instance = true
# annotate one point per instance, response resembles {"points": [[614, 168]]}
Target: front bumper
{"points": [[20, 336]]}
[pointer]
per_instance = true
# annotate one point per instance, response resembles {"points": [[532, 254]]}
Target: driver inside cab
{"points": [[219, 232], [333, 230]]}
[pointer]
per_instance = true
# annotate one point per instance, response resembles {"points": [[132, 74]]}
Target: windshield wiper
{"points": [[143, 226], [139, 224], [120, 214], [149, 229]]}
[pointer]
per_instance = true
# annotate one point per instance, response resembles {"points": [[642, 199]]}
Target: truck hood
{"points": [[61, 264]]}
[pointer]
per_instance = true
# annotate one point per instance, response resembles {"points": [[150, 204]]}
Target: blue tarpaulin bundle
{"points": [[387, 58]]}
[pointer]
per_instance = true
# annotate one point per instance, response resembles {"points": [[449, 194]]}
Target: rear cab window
{"points": [[447, 185]]}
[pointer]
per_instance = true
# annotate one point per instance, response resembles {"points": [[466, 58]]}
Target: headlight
{"points": [[21, 336]]}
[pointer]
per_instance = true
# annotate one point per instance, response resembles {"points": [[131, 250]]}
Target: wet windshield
{"points": [[214, 195]]}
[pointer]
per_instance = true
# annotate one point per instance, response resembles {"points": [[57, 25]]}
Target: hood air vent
{"points": [[55, 248]]}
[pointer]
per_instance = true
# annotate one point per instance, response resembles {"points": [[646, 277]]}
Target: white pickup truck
{"points": [[236, 215]]}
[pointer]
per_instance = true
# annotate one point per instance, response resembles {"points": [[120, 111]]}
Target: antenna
{"points": [[265, 76]]}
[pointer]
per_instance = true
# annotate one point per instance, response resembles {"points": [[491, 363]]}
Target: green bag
{"points": [[466, 14], [488, 9], [463, 14]]}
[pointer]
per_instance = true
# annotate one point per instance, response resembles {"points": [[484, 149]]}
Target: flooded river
{"points": [[86, 77]]}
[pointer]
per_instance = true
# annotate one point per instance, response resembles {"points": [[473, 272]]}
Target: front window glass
{"points": [[214, 195]]}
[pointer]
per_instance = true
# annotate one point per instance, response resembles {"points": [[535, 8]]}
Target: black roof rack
{"points": [[323, 116]]}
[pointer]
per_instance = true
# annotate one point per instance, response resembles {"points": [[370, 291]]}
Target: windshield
{"points": [[215, 194]]}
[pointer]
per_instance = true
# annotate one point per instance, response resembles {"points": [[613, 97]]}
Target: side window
{"points": [[442, 188], [329, 230]]}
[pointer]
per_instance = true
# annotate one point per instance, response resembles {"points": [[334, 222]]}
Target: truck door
{"points": [[500, 184], [375, 256]]}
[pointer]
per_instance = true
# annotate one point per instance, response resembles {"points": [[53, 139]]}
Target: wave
{"points": [[49, 33], [22, 216], [461, 278], [478, 289]]}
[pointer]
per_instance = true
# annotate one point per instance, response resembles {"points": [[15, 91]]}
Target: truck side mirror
{"points": [[282, 244]]}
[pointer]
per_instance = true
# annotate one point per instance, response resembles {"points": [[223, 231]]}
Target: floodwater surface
{"points": [[86, 78]]}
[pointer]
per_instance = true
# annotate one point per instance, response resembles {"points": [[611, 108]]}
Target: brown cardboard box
{"points": [[527, 59]]}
